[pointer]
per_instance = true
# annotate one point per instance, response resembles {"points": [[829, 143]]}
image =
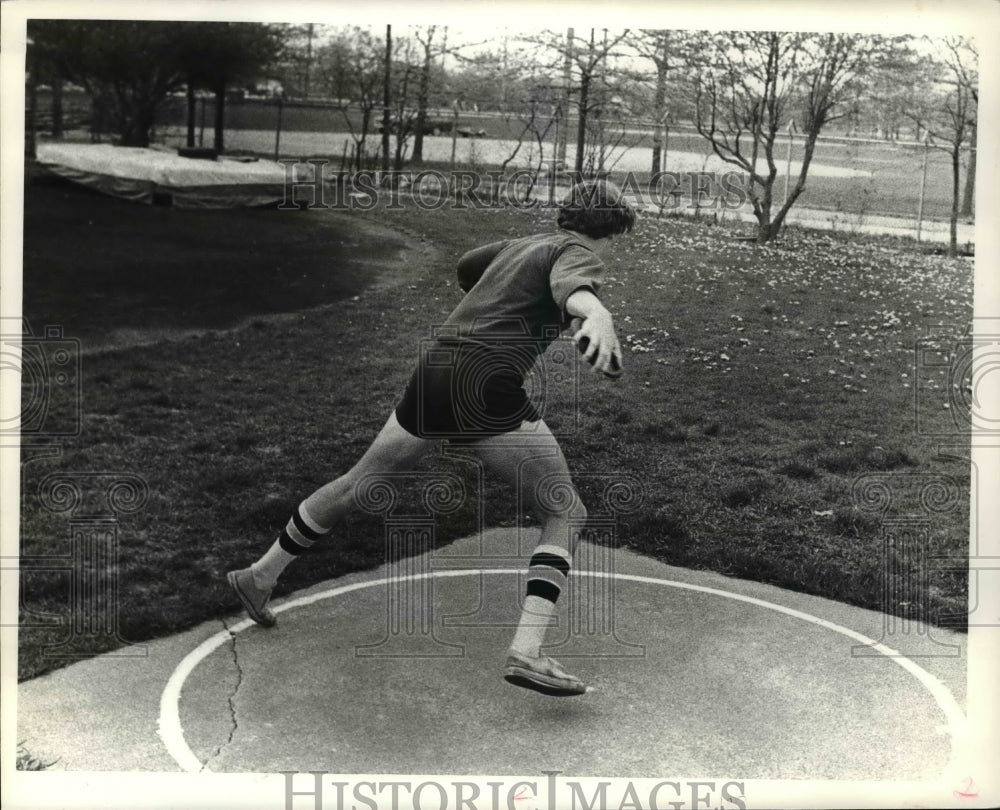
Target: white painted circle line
{"points": [[172, 732]]}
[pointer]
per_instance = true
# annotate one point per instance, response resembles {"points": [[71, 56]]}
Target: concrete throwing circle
{"points": [[172, 733]]}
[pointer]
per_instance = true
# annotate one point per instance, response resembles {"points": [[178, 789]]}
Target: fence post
{"points": [[454, 132]]}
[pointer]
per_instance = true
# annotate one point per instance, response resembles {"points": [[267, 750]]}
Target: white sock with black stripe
{"points": [[299, 534], [547, 575]]}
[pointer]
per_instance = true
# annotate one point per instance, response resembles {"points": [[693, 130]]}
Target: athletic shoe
{"points": [[254, 599], [542, 674]]}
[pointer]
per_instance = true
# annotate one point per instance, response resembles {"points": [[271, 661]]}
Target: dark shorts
{"points": [[463, 391]]}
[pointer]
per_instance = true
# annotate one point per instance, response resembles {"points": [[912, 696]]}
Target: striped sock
{"points": [[299, 534], [547, 574]]}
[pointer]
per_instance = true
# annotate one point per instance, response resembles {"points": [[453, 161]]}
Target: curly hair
{"points": [[596, 208]]}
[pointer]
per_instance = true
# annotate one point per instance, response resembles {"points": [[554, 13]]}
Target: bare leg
{"points": [[530, 459], [394, 449]]}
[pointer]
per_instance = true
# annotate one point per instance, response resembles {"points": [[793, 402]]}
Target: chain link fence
{"points": [[854, 185]]}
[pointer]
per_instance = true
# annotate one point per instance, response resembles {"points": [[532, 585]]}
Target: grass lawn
{"points": [[761, 384]]}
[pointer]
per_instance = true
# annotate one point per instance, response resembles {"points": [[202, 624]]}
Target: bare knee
{"points": [[556, 497]]}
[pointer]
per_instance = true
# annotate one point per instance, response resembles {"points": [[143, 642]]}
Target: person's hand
{"points": [[596, 339]]}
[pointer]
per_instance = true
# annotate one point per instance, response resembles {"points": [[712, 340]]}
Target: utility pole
{"points": [[567, 80], [386, 82], [601, 106], [581, 120], [503, 73]]}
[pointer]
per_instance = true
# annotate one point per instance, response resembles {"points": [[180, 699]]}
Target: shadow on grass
{"points": [[97, 265]]}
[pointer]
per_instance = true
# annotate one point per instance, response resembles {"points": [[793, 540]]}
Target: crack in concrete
{"points": [[231, 700]]}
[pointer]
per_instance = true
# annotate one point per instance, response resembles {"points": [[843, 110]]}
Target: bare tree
{"points": [[968, 196], [948, 113], [887, 97], [590, 61], [526, 95], [352, 64], [538, 119], [402, 73], [430, 75], [750, 85], [426, 39], [589, 57], [656, 46], [964, 63], [299, 59]]}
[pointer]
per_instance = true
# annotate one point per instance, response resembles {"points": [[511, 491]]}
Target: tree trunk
{"points": [[955, 185], [133, 118], [970, 177], [423, 90], [581, 123], [366, 116], [98, 115], [809, 150], [766, 228], [386, 98], [220, 119], [136, 128], [397, 158], [659, 108], [57, 107], [192, 103]]}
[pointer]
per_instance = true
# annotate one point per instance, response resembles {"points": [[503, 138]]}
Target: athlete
{"points": [[468, 389]]}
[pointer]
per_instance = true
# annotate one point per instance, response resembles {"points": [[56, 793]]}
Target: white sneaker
{"points": [[542, 674], [254, 599]]}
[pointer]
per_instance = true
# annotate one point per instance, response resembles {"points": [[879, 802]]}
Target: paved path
{"points": [[932, 230], [702, 674]]}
